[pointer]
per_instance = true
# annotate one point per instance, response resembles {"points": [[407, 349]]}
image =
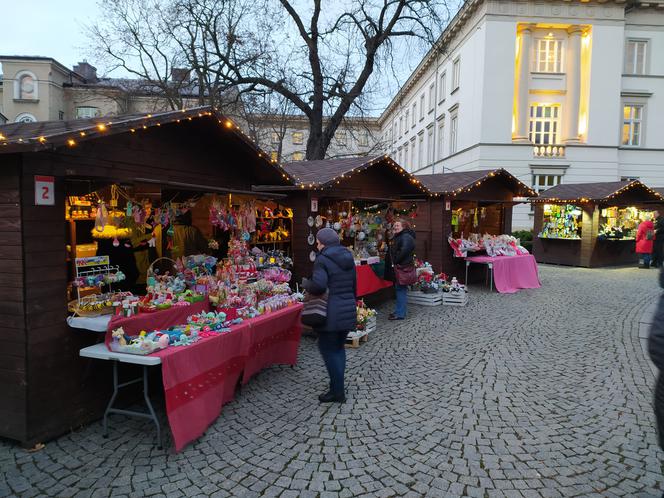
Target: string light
{"points": [[101, 127], [71, 142], [42, 139]]}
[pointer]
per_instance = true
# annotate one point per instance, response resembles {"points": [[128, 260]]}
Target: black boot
{"points": [[330, 397]]}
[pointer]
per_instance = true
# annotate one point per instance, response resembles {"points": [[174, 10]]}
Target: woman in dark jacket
{"points": [[334, 272], [401, 252], [656, 351]]}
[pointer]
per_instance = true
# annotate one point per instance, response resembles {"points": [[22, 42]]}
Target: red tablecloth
{"points": [[368, 282], [159, 320], [199, 379], [273, 340], [511, 273]]}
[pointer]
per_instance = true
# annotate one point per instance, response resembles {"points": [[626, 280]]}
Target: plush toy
{"points": [[119, 336]]}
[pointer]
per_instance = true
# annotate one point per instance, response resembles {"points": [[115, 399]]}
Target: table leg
{"points": [[109, 407], [147, 402], [491, 274], [465, 282]]}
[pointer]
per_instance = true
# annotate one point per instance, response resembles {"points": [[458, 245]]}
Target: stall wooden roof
{"points": [[50, 135], [598, 192], [325, 173], [458, 182]]}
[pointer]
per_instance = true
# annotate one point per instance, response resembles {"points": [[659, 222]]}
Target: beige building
{"points": [[42, 89]]}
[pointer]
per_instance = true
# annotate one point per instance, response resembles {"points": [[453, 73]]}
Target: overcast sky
{"points": [[57, 31]]}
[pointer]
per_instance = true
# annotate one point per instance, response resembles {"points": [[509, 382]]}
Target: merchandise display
{"points": [[364, 315], [493, 245], [427, 280], [621, 223], [561, 221]]}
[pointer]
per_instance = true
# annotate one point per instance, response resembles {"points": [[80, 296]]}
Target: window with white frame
{"points": [[412, 154], [632, 125], [406, 128], [274, 155], [549, 56], [454, 132], [442, 87], [422, 106], [401, 125], [83, 112], [430, 145], [25, 117], [456, 74], [441, 138], [432, 96], [420, 150], [297, 155], [298, 137], [544, 181], [274, 137], [363, 138], [635, 56], [544, 124], [406, 158], [399, 155], [414, 117], [340, 137]]}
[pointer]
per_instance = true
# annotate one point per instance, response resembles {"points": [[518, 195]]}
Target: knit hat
{"points": [[328, 237]]}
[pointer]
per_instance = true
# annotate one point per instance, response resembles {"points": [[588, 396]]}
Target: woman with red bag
{"points": [[399, 265]]}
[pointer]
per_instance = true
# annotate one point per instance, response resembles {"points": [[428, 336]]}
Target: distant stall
{"points": [[465, 203], [359, 198], [591, 224]]}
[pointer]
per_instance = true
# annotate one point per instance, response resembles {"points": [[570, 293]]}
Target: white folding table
{"points": [[101, 352]]}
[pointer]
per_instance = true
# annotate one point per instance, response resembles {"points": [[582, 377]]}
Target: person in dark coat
{"points": [[334, 272], [658, 246], [656, 352], [401, 252]]}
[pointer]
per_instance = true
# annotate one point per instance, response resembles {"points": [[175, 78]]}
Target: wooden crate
{"points": [[455, 298], [424, 299], [355, 337]]}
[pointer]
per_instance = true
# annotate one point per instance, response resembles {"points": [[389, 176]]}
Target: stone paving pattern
{"points": [[543, 393]]}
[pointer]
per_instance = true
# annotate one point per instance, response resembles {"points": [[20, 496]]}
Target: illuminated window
{"points": [[274, 155], [442, 87], [298, 156], [549, 55], [274, 138], [631, 130], [84, 112], [456, 74], [298, 137], [544, 124], [454, 128], [635, 56]]}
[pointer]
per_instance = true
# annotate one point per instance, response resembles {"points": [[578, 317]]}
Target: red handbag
{"points": [[405, 274]]}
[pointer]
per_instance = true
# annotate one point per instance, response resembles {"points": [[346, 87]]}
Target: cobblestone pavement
{"points": [[542, 393]]}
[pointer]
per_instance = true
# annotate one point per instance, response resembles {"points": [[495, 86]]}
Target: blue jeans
{"points": [[400, 310], [332, 349], [645, 256]]}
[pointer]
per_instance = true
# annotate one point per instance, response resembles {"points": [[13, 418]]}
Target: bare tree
{"points": [[320, 60]]}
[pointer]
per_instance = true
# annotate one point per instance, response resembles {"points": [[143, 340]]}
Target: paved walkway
{"points": [[542, 393]]}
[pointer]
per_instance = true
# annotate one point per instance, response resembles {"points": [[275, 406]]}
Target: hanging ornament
{"points": [[129, 209], [102, 217], [116, 242]]}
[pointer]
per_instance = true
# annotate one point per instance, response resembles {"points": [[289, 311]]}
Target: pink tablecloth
{"points": [[368, 282], [273, 340], [511, 273], [158, 320], [201, 378]]}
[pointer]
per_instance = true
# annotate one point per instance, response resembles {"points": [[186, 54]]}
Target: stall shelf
{"points": [[590, 224], [189, 150]]}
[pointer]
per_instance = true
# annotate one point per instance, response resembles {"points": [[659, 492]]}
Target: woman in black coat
{"points": [[334, 272], [401, 252], [656, 351]]}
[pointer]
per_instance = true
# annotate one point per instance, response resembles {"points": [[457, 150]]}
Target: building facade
{"points": [[42, 89], [553, 91]]}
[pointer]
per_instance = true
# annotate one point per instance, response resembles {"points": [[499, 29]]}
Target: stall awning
{"points": [[49, 135], [601, 192], [457, 183]]}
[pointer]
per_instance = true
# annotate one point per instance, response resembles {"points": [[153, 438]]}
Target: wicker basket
{"points": [[151, 268]]}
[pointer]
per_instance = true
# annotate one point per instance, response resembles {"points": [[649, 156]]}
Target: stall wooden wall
{"points": [[13, 375], [58, 389]]}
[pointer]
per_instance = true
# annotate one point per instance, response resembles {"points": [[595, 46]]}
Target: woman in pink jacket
{"points": [[645, 236]]}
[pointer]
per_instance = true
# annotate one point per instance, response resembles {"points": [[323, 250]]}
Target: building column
{"points": [[522, 83], [573, 65]]}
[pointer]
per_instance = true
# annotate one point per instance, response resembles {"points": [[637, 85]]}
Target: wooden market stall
{"points": [[47, 388], [591, 224], [469, 202], [339, 191]]}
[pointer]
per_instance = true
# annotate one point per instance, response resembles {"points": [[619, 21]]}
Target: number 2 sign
{"points": [[44, 191]]}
